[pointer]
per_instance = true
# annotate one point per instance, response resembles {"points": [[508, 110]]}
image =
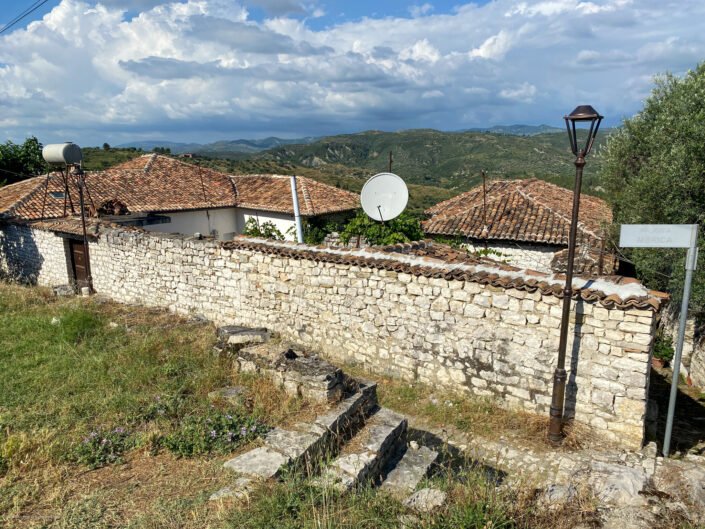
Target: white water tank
{"points": [[62, 153]]}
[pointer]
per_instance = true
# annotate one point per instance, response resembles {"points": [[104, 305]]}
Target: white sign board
{"points": [[658, 235]]}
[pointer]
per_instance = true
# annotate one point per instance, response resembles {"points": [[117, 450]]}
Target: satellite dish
{"points": [[384, 196]]}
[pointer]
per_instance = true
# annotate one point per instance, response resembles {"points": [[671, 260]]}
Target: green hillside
{"points": [[451, 160]]}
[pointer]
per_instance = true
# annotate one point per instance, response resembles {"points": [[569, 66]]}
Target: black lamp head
{"points": [[582, 114]]}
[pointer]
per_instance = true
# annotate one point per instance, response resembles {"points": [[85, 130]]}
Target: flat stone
{"points": [[350, 410], [292, 444], [557, 494], [238, 490], [383, 430], [617, 485], [231, 394], [410, 470], [261, 463], [356, 465], [425, 500], [335, 478], [237, 335], [64, 290]]}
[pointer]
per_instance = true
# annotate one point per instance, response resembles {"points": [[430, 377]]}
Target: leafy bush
{"points": [[103, 447], [663, 347], [654, 173], [264, 230], [404, 228], [214, 431]]}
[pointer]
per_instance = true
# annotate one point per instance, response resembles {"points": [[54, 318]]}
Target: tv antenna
{"points": [[384, 196]]}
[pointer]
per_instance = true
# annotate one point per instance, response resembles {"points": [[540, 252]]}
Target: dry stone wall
{"points": [[484, 340], [33, 256]]}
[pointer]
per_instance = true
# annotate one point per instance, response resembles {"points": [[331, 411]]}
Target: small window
{"points": [[58, 194]]}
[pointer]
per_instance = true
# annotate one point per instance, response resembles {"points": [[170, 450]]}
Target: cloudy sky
{"points": [[202, 70]]}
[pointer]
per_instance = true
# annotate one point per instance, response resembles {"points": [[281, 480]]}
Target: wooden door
{"points": [[79, 263]]}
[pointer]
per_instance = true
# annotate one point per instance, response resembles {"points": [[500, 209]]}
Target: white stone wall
{"points": [[34, 256], [522, 255], [451, 333]]}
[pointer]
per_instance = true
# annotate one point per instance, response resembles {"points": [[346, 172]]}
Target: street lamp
{"points": [[584, 114]]}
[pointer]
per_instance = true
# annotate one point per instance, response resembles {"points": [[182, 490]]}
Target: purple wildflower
{"points": [[243, 431], [213, 434], [253, 428]]}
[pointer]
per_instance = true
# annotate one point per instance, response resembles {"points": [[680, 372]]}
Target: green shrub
{"points": [[103, 447], [263, 230], [663, 347], [213, 431], [404, 228]]}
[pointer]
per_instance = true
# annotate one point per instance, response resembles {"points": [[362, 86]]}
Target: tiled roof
{"points": [[429, 259], [519, 210], [273, 193], [156, 183]]}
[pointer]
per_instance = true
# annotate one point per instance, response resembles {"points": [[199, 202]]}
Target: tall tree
{"points": [[21, 161], [654, 173]]}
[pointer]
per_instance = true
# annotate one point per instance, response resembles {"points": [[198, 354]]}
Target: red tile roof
{"points": [[519, 210], [156, 183], [273, 193]]}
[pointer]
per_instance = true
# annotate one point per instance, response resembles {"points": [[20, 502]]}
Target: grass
{"points": [[73, 366], [480, 417]]}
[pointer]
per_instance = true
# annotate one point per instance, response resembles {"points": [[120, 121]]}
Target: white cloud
{"points": [[420, 10], [205, 69], [524, 93], [495, 47]]}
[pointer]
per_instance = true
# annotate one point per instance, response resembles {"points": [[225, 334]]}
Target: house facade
{"points": [[158, 193], [525, 223]]}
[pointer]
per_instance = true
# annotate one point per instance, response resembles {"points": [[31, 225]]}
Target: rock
{"points": [[292, 443], [238, 490], [617, 485], [113, 325], [64, 290], [683, 481], [261, 463], [556, 494], [234, 395], [410, 470], [237, 335], [425, 500]]}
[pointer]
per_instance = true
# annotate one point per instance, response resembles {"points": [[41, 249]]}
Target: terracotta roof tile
{"points": [[273, 193], [520, 210], [155, 183]]}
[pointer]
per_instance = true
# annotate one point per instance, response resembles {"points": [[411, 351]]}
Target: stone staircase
{"points": [[353, 442]]}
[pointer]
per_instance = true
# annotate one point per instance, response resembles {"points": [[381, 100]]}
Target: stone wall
{"points": [[33, 256], [523, 255], [486, 336]]}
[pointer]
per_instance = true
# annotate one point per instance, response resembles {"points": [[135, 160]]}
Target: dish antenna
{"points": [[384, 196]]}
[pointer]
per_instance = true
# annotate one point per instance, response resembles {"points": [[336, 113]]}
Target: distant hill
{"points": [[517, 130], [223, 148], [147, 146], [451, 160]]}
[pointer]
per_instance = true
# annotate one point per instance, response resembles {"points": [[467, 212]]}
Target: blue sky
{"points": [[202, 70]]}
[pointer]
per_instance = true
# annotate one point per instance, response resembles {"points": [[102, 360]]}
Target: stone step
{"points": [[366, 454], [408, 472], [308, 443]]}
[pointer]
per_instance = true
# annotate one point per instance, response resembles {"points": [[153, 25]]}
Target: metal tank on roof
{"points": [[62, 153]]}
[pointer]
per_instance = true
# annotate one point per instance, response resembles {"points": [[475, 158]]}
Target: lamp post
{"points": [[587, 115]]}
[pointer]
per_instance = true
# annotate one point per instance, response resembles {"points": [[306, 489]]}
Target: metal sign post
{"points": [[668, 236]]}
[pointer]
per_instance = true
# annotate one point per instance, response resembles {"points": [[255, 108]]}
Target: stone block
{"points": [[263, 463]]}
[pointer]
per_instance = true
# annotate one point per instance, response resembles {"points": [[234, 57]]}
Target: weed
{"points": [[103, 447], [213, 431]]}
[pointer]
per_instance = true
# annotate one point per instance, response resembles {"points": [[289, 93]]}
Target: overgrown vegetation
{"points": [[263, 230], [19, 161], [404, 228], [654, 172]]}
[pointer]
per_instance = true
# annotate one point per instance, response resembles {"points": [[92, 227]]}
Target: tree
{"points": [[162, 150], [654, 173], [106, 146], [21, 161], [404, 228]]}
